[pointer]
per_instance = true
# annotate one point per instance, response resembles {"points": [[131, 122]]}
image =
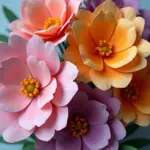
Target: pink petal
{"points": [[13, 71], [47, 131], [98, 137], [45, 52], [19, 46], [47, 94], [7, 118], [36, 12], [34, 116], [56, 7], [11, 99], [39, 70], [61, 118], [65, 92], [23, 28], [15, 133]]}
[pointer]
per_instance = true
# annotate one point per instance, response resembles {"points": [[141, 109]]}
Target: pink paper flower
{"points": [[34, 93], [46, 18]]}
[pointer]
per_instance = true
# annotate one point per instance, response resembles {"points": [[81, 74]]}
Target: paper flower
{"points": [[92, 124], [34, 89], [92, 4], [135, 99], [106, 45], [46, 18]]}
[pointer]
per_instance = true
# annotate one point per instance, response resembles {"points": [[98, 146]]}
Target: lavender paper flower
{"points": [[92, 124]]}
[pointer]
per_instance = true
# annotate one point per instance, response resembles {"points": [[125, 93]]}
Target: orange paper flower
{"points": [[135, 99], [106, 47]]}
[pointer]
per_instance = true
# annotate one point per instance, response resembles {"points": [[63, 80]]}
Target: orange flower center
{"points": [[104, 48], [78, 125], [30, 87], [51, 22], [131, 92]]}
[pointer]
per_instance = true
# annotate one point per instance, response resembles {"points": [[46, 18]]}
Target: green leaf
{"points": [[3, 38], [138, 143], [127, 147], [29, 146], [131, 129], [9, 14]]}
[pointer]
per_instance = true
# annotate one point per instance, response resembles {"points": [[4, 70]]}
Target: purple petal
{"points": [[113, 145], [98, 137], [117, 129]]}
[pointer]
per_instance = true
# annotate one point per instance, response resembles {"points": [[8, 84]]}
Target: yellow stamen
{"points": [[51, 22], [104, 48], [30, 87]]}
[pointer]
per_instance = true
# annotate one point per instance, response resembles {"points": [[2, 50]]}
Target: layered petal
{"points": [[45, 52], [98, 25], [124, 35], [34, 116], [11, 99], [39, 70], [129, 13], [65, 92], [47, 94], [121, 58], [109, 77], [96, 134]]}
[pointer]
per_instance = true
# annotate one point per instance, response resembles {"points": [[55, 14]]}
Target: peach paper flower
{"points": [[135, 99], [33, 94], [106, 46], [46, 18]]}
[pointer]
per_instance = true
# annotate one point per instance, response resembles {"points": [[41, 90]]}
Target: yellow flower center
{"points": [[104, 48], [30, 87], [78, 126], [131, 92], [51, 22]]}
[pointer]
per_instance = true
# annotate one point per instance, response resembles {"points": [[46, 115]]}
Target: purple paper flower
{"points": [[92, 124], [92, 4]]}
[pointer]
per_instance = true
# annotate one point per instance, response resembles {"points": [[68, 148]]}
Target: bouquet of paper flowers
{"points": [[75, 75]]}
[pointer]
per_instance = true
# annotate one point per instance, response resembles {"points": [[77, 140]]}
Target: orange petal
{"points": [[143, 47], [69, 55], [138, 63], [128, 12], [99, 25], [122, 58], [82, 35], [90, 59], [124, 35], [109, 77], [108, 6], [84, 15], [139, 23]]}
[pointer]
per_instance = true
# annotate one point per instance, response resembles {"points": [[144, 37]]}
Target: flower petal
{"points": [[124, 35], [33, 8], [47, 94], [56, 8], [122, 58], [110, 77], [118, 129], [39, 70], [34, 116], [13, 72], [98, 25], [65, 92], [45, 52], [11, 99], [67, 142], [92, 60], [129, 13], [143, 47], [95, 135], [10, 135], [96, 113], [138, 63], [113, 145]]}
